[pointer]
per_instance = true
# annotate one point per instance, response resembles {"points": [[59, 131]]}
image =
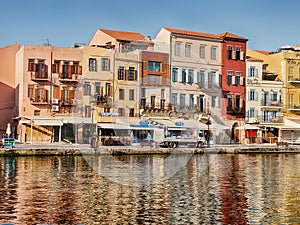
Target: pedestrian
{"points": [[149, 137]]}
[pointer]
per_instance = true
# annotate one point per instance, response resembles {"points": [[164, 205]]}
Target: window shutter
{"points": [[69, 72], [79, 70], [111, 90], [241, 81], [233, 80], [242, 55], [45, 97], [56, 92], [135, 75], [36, 94], [249, 72], [256, 95], [125, 74], [255, 113], [62, 96], [256, 72], [233, 54], [60, 68]]}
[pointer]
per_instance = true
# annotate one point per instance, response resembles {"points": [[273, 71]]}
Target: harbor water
{"points": [[142, 189]]}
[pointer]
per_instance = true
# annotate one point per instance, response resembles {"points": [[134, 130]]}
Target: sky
{"points": [[267, 24]]}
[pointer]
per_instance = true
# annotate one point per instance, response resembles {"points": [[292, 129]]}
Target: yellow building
{"points": [[285, 63]]}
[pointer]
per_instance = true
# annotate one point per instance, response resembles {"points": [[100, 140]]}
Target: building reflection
{"points": [[210, 189]]}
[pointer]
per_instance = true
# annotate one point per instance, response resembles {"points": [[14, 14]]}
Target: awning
{"points": [[248, 127], [78, 120], [177, 128], [114, 126]]}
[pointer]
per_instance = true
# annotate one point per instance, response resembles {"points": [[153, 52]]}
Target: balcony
{"points": [[153, 106], [271, 104], [235, 110], [270, 120], [36, 100], [68, 78], [293, 107], [293, 79], [68, 102], [40, 76], [209, 85], [98, 99]]}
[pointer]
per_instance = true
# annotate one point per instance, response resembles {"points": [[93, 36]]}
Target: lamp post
{"points": [[208, 123], [93, 109]]}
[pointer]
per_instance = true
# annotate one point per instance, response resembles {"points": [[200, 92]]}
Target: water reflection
{"points": [[210, 189]]}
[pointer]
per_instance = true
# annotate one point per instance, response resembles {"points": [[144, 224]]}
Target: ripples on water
{"points": [[210, 189]]}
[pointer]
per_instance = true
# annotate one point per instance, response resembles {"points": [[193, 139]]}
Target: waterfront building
{"points": [[8, 103], [285, 66], [140, 75], [48, 93], [233, 80], [264, 106]]}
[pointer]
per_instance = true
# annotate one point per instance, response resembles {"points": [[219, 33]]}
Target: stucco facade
{"points": [[195, 69], [9, 89]]}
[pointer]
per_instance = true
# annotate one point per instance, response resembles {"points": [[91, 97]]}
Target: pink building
{"points": [[49, 93], [8, 105]]}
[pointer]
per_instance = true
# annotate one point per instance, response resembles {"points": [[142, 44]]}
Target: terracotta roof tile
{"points": [[125, 35], [192, 33], [263, 52], [254, 59], [230, 35]]}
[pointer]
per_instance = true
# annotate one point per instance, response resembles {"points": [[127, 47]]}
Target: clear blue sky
{"points": [[267, 24]]}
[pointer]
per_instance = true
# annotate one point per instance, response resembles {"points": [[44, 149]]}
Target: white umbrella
{"points": [[8, 130]]}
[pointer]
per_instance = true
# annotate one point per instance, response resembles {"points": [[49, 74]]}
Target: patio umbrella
{"points": [[8, 130]]}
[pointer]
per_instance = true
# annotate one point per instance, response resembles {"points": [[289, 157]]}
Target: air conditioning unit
{"points": [[55, 108], [55, 101]]}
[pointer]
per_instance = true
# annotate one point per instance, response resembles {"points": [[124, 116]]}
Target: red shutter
{"points": [[36, 95], [69, 72], [45, 97], [135, 75], [62, 95], [56, 92], [111, 91], [80, 70]]}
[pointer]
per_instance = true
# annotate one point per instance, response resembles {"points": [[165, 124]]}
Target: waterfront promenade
{"points": [[40, 149]]}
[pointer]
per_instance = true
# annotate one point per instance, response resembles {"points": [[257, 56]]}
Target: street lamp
{"points": [[93, 109], [208, 132]]}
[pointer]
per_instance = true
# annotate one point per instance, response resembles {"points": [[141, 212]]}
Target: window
{"points": [[174, 99], [202, 76], [174, 74], [121, 112], [252, 113], [108, 89], [237, 101], [121, 73], [153, 79], [121, 94], [213, 53], [97, 87], [131, 73], [131, 94], [55, 66], [229, 52], [131, 112], [274, 96], [31, 91], [252, 95], [202, 52], [31, 65], [190, 76], [105, 64], [143, 92], [212, 77], [183, 76], [215, 101], [191, 100], [162, 93], [229, 101], [229, 77], [177, 49], [237, 78], [182, 100], [92, 64], [36, 112], [188, 50], [87, 88], [154, 66], [87, 111], [252, 72], [238, 53]]}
